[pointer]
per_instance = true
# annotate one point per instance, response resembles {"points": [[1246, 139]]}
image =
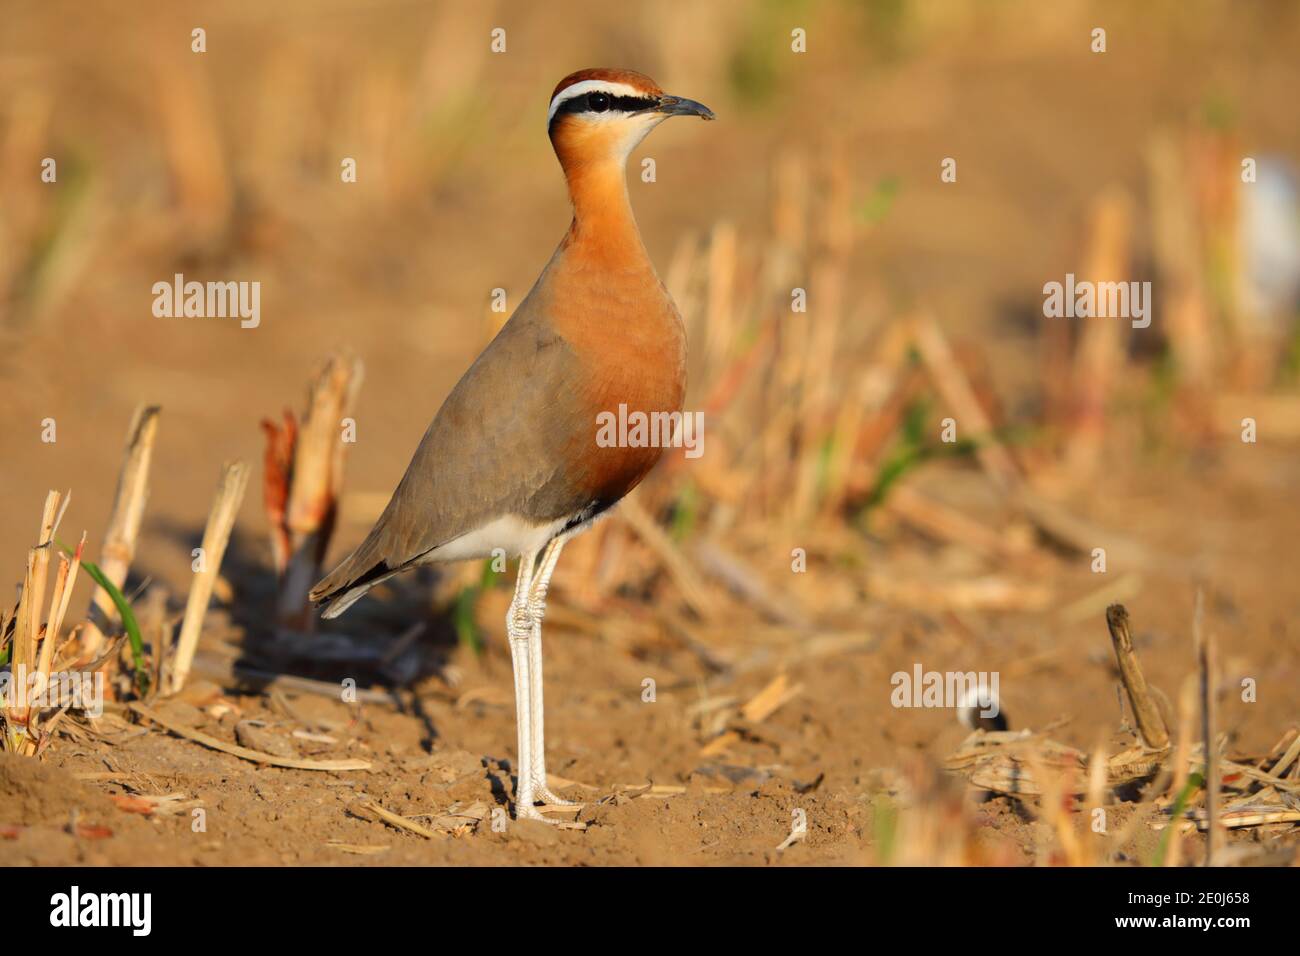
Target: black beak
{"points": [[680, 106]]}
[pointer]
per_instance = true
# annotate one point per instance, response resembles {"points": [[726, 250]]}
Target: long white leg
{"points": [[537, 610], [519, 631]]}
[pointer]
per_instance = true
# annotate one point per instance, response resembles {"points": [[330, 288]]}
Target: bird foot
{"points": [[540, 792], [532, 813], [548, 796]]}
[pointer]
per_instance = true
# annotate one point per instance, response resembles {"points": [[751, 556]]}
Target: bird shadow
{"points": [[389, 643]]}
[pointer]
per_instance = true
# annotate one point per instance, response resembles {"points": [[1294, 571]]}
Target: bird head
{"points": [[601, 115]]}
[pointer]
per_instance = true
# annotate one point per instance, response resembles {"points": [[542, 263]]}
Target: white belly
{"points": [[512, 534]]}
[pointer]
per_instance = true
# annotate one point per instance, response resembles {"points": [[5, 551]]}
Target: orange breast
{"points": [[629, 339]]}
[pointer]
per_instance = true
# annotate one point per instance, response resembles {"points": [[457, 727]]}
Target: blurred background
{"points": [[822, 428], [225, 165]]}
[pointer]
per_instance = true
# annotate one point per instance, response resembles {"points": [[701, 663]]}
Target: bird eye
{"points": [[598, 102]]}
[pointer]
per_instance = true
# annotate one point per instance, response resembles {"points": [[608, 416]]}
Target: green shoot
{"points": [[685, 512], [467, 630], [1194, 782], [884, 825], [128, 620]]}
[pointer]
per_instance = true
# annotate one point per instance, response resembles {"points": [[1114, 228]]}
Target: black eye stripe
{"points": [[632, 104], [622, 104]]}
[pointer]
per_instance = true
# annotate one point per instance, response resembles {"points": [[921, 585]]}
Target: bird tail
{"points": [[347, 583]]}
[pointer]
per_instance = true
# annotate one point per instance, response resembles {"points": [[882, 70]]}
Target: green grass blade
{"points": [[128, 620], [467, 629], [1194, 782]]}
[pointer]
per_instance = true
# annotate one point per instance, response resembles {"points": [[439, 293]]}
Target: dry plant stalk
{"points": [[1174, 241], [1252, 346], [196, 162], [1097, 796], [34, 646], [118, 550], [64, 582], [1099, 360], [775, 695], [1291, 743], [679, 567], [1059, 784], [1207, 665], [1182, 761], [244, 753], [27, 627], [720, 310], [955, 388], [221, 519], [829, 269], [950, 525], [302, 484], [1150, 725], [277, 475], [400, 822]]}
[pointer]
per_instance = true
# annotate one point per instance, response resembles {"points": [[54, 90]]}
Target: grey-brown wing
{"points": [[489, 451]]}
